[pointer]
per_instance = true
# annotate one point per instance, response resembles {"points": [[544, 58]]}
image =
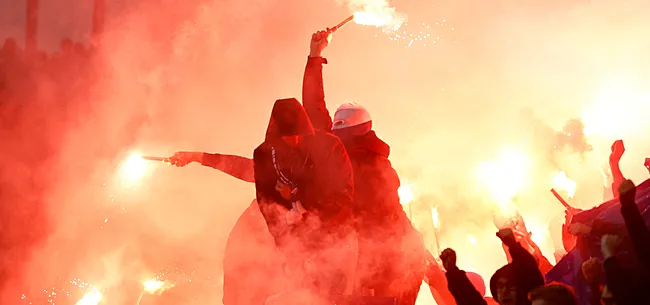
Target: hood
{"points": [[368, 142], [288, 118], [507, 272]]}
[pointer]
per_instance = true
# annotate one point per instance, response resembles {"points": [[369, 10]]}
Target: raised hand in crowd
{"points": [[508, 238], [459, 285], [592, 270], [319, 41], [448, 258]]}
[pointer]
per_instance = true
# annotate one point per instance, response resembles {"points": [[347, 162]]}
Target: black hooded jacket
{"points": [[318, 166]]}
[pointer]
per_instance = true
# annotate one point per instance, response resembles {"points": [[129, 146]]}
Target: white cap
{"points": [[350, 114]]}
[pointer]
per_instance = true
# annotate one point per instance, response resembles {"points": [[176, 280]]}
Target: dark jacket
{"points": [[318, 166], [377, 208], [629, 285]]}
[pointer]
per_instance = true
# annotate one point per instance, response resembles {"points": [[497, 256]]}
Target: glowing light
{"points": [[617, 110], [435, 218], [472, 240], [505, 177], [375, 13], [133, 169], [562, 182], [91, 298], [154, 286], [381, 18], [405, 193]]}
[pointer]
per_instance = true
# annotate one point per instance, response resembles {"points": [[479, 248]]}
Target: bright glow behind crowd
{"points": [[192, 75]]}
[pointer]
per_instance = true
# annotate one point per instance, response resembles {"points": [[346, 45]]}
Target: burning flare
{"points": [[504, 177], [434, 217], [562, 182], [155, 286], [375, 13], [91, 298], [405, 193], [133, 169]]}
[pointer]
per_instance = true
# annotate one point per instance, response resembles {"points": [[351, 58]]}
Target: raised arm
{"points": [[460, 286], [525, 266], [636, 227], [313, 93], [239, 167], [618, 148]]}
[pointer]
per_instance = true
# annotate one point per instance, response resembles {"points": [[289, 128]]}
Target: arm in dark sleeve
{"points": [[528, 275], [637, 232], [313, 94], [462, 289], [618, 282], [239, 167]]}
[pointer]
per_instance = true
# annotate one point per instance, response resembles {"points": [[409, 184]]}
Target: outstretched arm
{"points": [[239, 167], [313, 93]]}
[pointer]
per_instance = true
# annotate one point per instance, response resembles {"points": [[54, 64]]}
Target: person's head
{"points": [[553, 294], [503, 285], [350, 120], [289, 122]]}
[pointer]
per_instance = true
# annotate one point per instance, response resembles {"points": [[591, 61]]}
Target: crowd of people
{"points": [[328, 195]]}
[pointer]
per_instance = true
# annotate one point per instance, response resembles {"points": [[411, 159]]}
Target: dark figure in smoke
{"points": [[304, 189], [304, 185], [392, 256]]}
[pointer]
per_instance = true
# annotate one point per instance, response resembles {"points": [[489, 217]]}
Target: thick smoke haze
{"points": [[202, 76]]}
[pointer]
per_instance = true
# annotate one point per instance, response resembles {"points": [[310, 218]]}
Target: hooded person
{"points": [[511, 284], [290, 139], [392, 255], [304, 187]]}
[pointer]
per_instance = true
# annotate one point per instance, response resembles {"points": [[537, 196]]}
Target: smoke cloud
{"points": [[557, 82]]}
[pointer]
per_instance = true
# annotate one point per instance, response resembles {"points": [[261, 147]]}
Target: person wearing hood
{"points": [[511, 284], [304, 187], [392, 255], [304, 190]]}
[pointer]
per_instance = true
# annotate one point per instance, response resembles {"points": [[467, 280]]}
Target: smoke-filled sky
{"points": [[203, 75]]}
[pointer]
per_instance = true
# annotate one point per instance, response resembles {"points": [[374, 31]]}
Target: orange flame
{"points": [[562, 182]]}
